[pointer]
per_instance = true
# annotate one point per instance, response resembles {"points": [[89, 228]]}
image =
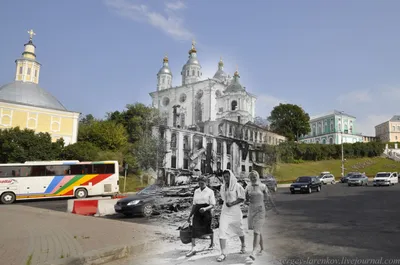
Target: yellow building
{"points": [[25, 104], [389, 131]]}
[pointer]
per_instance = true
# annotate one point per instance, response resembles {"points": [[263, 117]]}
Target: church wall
{"points": [[57, 123]]}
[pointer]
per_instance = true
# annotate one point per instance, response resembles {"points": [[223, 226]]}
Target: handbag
{"points": [[185, 233]]}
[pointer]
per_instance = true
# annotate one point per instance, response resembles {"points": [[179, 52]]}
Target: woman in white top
{"points": [[203, 203], [230, 223]]}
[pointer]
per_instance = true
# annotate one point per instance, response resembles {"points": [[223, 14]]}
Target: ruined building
{"points": [[208, 123]]}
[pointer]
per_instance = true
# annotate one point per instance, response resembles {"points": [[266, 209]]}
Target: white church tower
{"points": [[164, 76], [191, 71]]}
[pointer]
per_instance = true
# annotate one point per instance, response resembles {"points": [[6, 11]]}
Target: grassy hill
{"points": [[289, 172]]}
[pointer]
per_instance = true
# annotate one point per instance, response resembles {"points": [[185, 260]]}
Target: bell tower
{"points": [[27, 68]]}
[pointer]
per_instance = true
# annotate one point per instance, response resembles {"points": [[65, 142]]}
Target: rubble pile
{"points": [[176, 203]]}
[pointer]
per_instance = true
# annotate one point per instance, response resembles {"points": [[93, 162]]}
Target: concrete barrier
{"points": [[70, 203], [85, 207], [106, 207]]}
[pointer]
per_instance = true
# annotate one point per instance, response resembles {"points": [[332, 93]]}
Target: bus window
{"points": [[104, 168], [76, 170], [8, 172], [38, 171], [57, 170], [87, 169]]}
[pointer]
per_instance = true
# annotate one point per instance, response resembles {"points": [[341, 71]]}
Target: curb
{"points": [[102, 256]]}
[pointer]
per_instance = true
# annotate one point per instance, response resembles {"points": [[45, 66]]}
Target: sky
{"points": [[98, 56]]}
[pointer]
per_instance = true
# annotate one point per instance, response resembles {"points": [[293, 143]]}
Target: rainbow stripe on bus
{"points": [[68, 183]]}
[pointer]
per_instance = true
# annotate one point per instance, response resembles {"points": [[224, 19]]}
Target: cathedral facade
{"points": [[24, 104], [208, 123]]}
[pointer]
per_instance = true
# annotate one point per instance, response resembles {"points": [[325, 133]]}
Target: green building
{"points": [[327, 129]]}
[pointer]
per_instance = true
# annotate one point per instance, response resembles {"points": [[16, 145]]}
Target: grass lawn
{"points": [[132, 183], [286, 173]]}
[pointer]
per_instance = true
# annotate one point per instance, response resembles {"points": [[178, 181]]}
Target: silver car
{"points": [[358, 180], [327, 178]]}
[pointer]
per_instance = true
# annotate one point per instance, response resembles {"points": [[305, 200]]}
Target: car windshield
{"points": [[382, 175], [149, 190], [303, 179], [356, 176]]}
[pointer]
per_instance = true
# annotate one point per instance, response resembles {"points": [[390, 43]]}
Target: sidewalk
{"points": [[173, 253], [34, 236]]}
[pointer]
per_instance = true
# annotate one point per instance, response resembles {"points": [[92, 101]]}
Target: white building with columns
{"points": [[208, 123]]}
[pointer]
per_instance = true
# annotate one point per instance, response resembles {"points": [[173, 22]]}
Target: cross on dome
{"points": [[31, 34]]}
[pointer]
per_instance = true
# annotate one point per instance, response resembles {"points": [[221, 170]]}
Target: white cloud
{"points": [[170, 23], [371, 107], [366, 125], [175, 5], [265, 104], [356, 96]]}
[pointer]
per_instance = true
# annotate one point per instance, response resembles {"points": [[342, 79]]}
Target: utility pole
{"points": [[341, 141], [126, 170]]}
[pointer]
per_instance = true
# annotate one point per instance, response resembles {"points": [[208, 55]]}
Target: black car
{"points": [[305, 184], [142, 203]]}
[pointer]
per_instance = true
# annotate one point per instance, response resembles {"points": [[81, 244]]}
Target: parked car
{"points": [[385, 179], [357, 180], [326, 177], [305, 184], [271, 182], [346, 178], [142, 203]]}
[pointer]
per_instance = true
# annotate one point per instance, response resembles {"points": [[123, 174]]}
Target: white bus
{"points": [[50, 179]]}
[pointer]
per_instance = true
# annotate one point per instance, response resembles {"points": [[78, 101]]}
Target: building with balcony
{"points": [[389, 131], [209, 124], [334, 127]]}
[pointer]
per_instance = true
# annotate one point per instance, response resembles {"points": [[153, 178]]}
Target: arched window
{"points": [[330, 140], [228, 166], [182, 120], [324, 141], [186, 142], [173, 140], [234, 105]]}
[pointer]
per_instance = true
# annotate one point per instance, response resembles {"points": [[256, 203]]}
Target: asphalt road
{"points": [[337, 223]]}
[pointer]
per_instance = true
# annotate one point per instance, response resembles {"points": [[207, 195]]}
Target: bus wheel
{"points": [[81, 193], [7, 198]]}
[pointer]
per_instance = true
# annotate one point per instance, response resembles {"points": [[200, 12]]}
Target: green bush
{"points": [[292, 152]]}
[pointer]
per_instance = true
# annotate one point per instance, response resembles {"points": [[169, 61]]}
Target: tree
{"points": [[289, 120], [145, 150], [88, 119], [82, 151], [263, 123], [138, 119], [106, 135], [18, 146]]}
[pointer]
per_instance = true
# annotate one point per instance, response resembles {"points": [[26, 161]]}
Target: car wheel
{"points": [[81, 193], [309, 190], [7, 198], [318, 188], [147, 210]]}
